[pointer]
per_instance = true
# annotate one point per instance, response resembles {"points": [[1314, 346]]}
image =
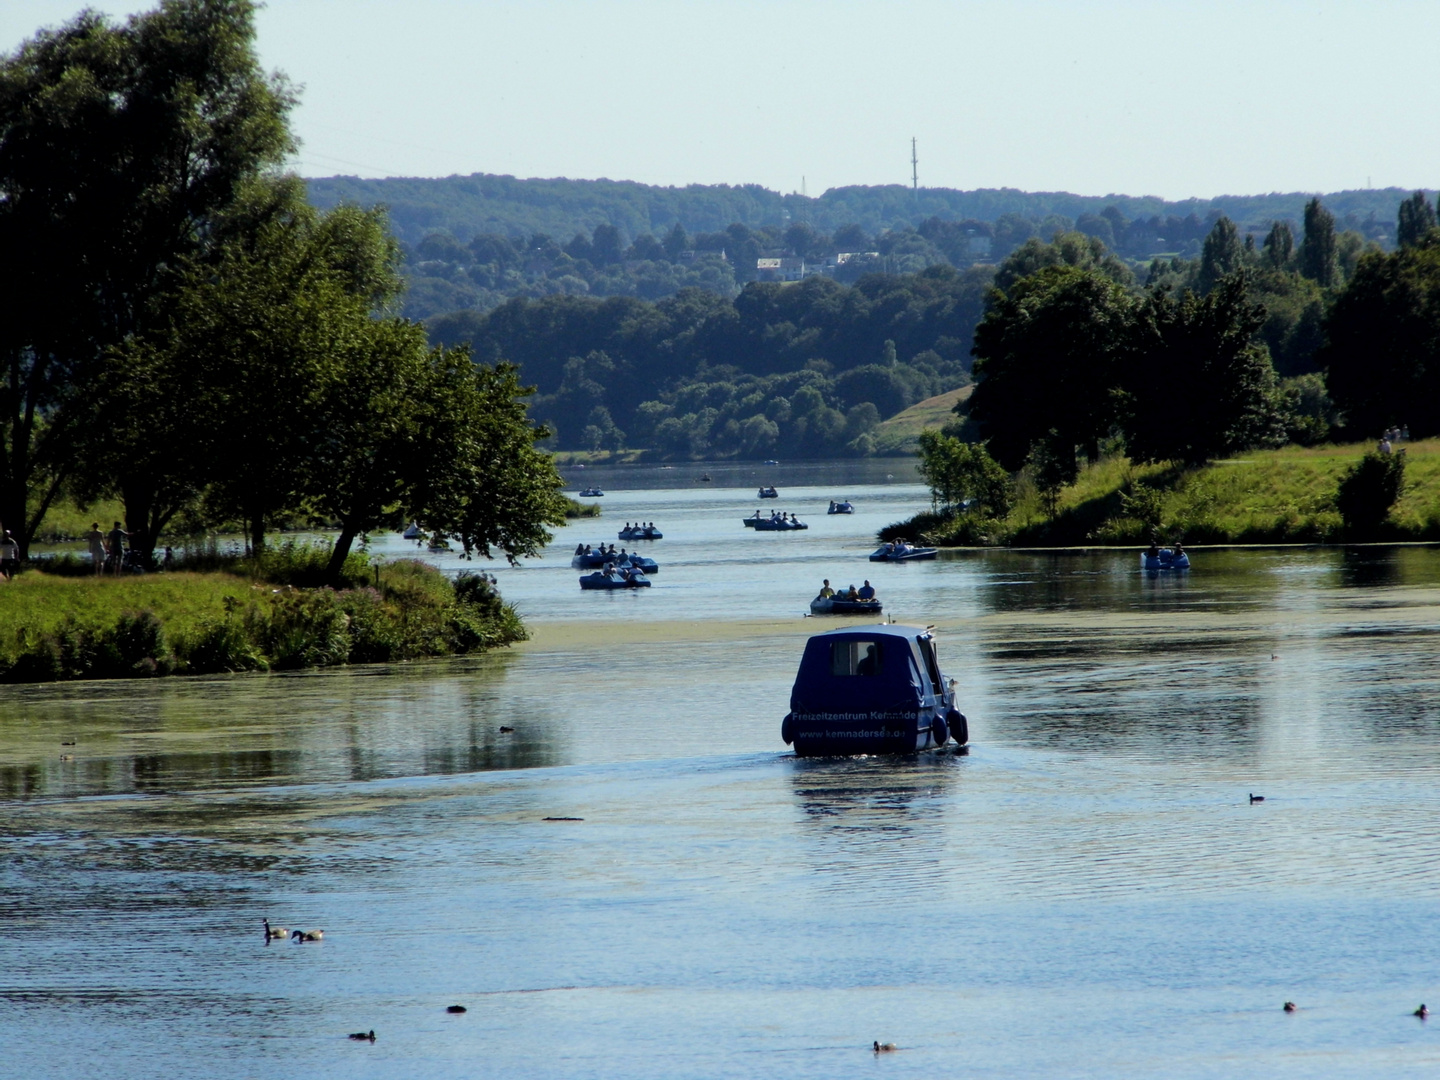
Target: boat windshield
{"points": [[855, 658]]}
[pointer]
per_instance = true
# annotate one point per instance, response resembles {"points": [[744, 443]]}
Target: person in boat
{"points": [[1153, 551], [851, 593], [867, 592], [1179, 549], [825, 591], [579, 549], [869, 664]]}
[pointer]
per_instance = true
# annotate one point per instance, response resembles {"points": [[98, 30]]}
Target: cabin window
{"points": [[927, 650], [855, 658]]}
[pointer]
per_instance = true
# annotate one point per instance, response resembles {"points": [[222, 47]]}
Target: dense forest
{"points": [[812, 367], [474, 242], [804, 369]]}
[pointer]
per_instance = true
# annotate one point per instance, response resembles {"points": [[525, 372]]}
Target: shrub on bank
{"points": [[200, 624]]}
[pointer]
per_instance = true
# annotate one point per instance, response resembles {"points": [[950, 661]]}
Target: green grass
{"points": [[899, 434], [1275, 496], [192, 622], [65, 521]]}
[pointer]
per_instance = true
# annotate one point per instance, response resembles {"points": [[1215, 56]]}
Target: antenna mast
{"points": [[914, 167]]}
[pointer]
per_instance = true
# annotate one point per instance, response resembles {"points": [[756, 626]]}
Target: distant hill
{"points": [[467, 206]]}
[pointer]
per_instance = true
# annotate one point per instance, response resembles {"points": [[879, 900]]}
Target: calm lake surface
{"points": [[1088, 893]]}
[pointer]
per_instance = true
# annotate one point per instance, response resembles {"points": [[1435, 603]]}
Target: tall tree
{"points": [[1207, 346], [1049, 355], [1222, 254], [1279, 246], [121, 149], [1318, 257], [1382, 351], [1417, 218]]}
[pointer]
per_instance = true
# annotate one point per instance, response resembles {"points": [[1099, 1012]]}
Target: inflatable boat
{"points": [[641, 532], [778, 525], [592, 493], [768, 493], [902, 551], [632, 579], [841, 507], [872, 690]]}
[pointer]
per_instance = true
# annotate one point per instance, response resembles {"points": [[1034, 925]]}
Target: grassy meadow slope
{"points": [[900, 433], [1274, 496]]}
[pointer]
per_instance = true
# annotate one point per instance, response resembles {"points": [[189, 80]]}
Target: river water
{"points": [[1088, 893]]}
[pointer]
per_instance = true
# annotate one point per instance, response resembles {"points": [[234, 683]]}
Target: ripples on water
{"points": [[1089, 892]]}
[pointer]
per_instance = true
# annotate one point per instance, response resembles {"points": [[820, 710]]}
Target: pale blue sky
{"points": [[1170, 99]]}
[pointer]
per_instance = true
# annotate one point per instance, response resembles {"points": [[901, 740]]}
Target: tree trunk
{"points": [[341, 552], [139, 499]]}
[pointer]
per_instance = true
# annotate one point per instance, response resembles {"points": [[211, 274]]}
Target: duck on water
{"points": [[872, 690]]}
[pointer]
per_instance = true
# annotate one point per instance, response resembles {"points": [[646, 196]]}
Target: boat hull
{"points": [[836, 734], [598, 562], [835, 606], [779, 526], [1165, 561], [913, 555], [607, 582], [640, 534]]}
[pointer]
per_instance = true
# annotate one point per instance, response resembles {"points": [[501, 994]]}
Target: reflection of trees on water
{"points": [[1370, 568], [1127, 692], [353, 725], [876, 825]]}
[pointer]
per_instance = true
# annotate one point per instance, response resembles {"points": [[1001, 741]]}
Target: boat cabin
{"points": [[871, 690]]}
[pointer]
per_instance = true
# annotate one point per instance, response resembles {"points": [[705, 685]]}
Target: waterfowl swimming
{"points": [[455, 1008], [1289, 1006], [884, 1048], [505, 730], [308, 935], [363, 1036], [1257, 798], [275, 933], [1422, 1012]]}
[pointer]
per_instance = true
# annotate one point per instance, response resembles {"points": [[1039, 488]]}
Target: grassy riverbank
{"points": [[56, 626], [1278, 496]]}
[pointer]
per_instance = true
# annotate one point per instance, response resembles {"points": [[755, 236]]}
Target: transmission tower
{"points": [[914, 168]]}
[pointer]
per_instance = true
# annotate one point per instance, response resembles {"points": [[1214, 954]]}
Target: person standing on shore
{"points": [[117, 547], [96, 539], [9, 556]]}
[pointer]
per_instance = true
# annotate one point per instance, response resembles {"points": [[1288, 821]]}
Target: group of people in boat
{"points": [[778, 516], [1153, 551], [585, 549], [639, 526], [865, 592]]}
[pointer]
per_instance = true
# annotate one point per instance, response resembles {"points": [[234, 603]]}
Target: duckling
{"points": [[275, 933], [363, 1036], [456, 1009], [308, 935], [1422, 1011], [1256, 798], [884, 1048], [1289, 1006]]}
